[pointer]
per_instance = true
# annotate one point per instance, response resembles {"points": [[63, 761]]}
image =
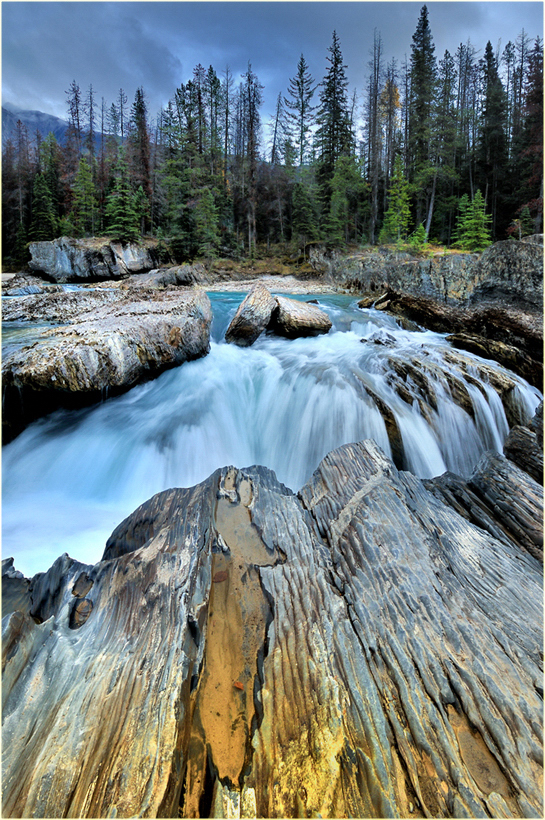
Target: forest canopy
{"points": [[442, 148]]}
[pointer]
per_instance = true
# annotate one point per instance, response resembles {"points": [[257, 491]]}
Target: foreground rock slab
{"points": [[359, 649], [117, 340]]}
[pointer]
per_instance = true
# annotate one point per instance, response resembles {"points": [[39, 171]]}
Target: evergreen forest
{"points": [[439, 149]]}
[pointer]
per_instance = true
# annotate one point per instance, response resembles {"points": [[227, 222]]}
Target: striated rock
{"points": [[357, 650], [517, 500], [507, 355], [292, 319], [501, 498], [72, 260], [252, 317], [122, 341], [522, 448]]}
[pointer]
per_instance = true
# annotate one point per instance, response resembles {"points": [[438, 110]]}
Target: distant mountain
{"points": [[34, 121]]}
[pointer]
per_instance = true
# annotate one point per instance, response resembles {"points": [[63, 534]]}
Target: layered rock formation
{"points": [[506, 271], [511, 337], [359, 649], [108, 342], [73, 260], [261, 311]]}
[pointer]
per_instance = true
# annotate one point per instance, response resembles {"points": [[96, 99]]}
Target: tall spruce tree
{"points": [[300, 109], [84, 200], [422, 93], [492, 156], [139, 149]]}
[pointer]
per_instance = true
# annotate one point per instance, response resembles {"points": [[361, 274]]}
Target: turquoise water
{"points": [[70, 478]]}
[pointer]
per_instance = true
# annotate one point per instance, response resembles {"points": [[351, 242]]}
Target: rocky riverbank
{"points": [[368, 647], [106, 342], [507, 272]]}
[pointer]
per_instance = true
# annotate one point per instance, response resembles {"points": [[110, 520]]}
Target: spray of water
{"points": [[69, 479]]}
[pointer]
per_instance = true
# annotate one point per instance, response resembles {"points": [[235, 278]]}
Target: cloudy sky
{"points": [[156, 45]]}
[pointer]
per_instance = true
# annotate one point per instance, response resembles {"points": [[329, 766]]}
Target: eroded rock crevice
{"points": [[226, 707]]}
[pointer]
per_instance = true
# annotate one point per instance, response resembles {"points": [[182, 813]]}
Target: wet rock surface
{"points": [[108, 342], [359, 649], [261, 311], [511, 337], [252, 316]]}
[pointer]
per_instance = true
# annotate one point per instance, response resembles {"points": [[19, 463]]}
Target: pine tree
{"points": [[84, 202], [139, 150], [206, 224], [122, 216], [304, 224], [396, 218], [43, 225], [300, 109], [422, 94], [473, 229], [492, 157], [333, 136]]}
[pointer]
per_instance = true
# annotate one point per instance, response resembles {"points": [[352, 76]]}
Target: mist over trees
{"points": [[443, 148]]}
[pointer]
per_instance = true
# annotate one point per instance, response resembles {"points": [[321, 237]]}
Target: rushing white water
{"points": [[69, 479]]}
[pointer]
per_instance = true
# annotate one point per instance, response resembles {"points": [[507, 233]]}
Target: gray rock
{"points": [[514, 496], [508, 270], [122, 341], [72, 260], [252, 317], [357, 650], [293, 319], [166, 277], [523, 449]]}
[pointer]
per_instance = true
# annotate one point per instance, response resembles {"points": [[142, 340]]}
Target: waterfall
{"points": [[70, 478]]}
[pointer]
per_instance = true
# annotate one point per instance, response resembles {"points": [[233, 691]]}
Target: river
{"points": [[70, 478]]}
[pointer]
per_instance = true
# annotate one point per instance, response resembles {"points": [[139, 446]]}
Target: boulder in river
{"points": [[293, 318], [356, 650], [252, 317], [261, 311], [117, 341]]}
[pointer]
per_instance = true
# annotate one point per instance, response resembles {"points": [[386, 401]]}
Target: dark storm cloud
{"points": [[156, 45]]}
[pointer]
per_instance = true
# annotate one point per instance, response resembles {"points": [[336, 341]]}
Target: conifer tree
{"points": [[206, 224], [43, 225], [300, 109], [493, 145], [333, 136], [139, 150], [304, 224], [84, 202], [473, 230], [121, 213], [422, 93], [396, 218]]}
